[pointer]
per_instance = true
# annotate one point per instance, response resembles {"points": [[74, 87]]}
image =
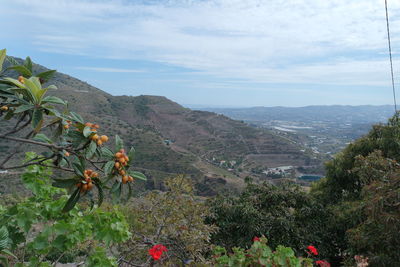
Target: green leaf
{"points": [[3, 238], [108, 167], [64, 183], [119, 144], [78, 168], [107, 153], [131, 153], [46, 75], [28, 64], [91, 149], [43, 138], [87, 131], [72, 201], [23, 108], [21, 70], [101, 194], [37, 118], [76, 117], [9, 253], [137, 175], [2, 57], [54, 100]]}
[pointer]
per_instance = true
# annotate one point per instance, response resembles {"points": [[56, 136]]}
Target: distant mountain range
{"points": [[216, 151]]}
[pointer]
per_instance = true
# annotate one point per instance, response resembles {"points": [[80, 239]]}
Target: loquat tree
{"points": [[66, 141]]}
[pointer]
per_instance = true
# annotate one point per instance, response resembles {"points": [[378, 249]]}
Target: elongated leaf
{"points": [[46, 75], [42, 138], [137, 175], [86, 131], [9, 253], [2, 57], [28, 64], [78, 168], [23, 108], [131, 153], [116, 191], [65, 183], [54, 100], [101, 193], [21, 70], [76, 117], [37, 117], [130, 191], [3, 238], [118, 143], [72, 201], [108, 167], [91, 149], [107, 153]]}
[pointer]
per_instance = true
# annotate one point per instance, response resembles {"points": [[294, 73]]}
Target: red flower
{"points": [[323, 263], [156, 251], [312, 250], [256, 239]]}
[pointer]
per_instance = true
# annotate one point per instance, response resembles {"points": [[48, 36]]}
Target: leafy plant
{"points": [[71, 144]]}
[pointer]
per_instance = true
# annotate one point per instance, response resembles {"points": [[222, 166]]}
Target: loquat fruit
{"points": [[99, 142], [21, 79], [125, 179], [104, 138], [4, 108]]}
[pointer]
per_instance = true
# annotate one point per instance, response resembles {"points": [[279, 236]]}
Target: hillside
{"points": [[217, 152]]}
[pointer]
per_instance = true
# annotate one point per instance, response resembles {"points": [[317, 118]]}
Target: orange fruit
{"points": [[4, 108], [94, 174], [118, 154], [66, 154], [95, 126], [122, 172], [95, 137], [89, 185], [117, 165], [126, 158], [84, 187], [121, 160], [130, 179], [99, 142], [88, 124], [66, 126], [104, 138], [122, 150], [125, 179]]}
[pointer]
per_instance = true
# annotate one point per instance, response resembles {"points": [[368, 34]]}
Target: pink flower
{"points": [[156, 251], [312, 250]]}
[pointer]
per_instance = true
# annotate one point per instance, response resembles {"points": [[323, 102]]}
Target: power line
{"points": [[390, 56]]}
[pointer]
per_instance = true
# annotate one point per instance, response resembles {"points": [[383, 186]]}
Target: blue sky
{"points": [[214, 52]]}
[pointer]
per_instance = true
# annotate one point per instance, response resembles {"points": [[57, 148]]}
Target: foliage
{"points": [[378, 233], [41, 234], [285, 214], [360, 196], [259, 254], [74, 144], [174, 218]]}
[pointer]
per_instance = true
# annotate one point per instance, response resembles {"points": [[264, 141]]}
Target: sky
{"points": [[228, 53]]}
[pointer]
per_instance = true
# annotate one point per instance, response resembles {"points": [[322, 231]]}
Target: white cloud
{"points": [[101, 69], [292, 41]]}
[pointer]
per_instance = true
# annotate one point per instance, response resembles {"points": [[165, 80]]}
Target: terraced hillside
{"points": [[171, 139]]}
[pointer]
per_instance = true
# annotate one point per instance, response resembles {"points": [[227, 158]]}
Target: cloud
{"points": [[102, 69], [280, 41]]}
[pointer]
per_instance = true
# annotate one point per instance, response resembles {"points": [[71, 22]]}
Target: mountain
{"points": [[216, 151]]}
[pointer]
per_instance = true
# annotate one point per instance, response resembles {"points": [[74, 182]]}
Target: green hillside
{"points": [[171, 139]]}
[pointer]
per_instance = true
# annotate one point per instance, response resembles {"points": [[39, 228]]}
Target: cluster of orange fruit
{"points": [[4, 108], [98, 139], [121, 160], [87, 184]]}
